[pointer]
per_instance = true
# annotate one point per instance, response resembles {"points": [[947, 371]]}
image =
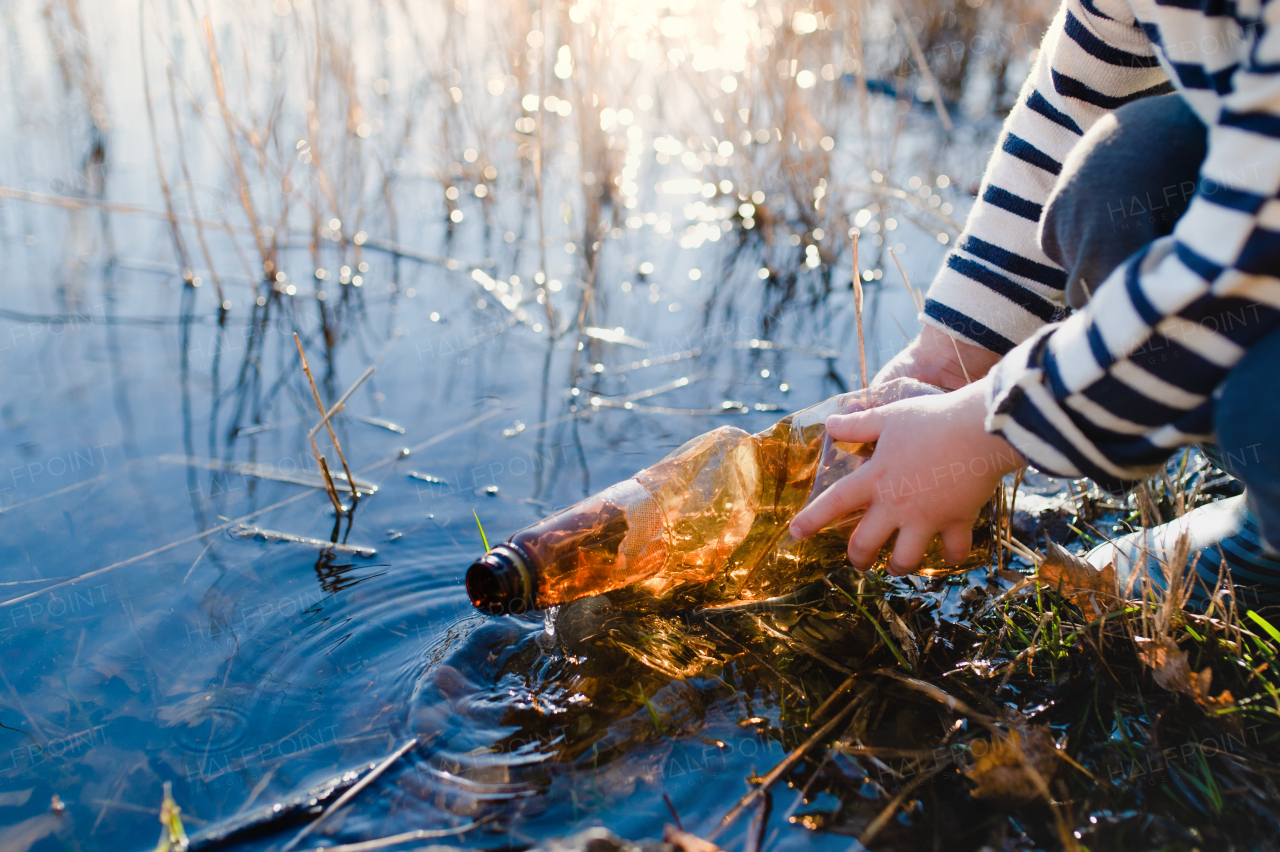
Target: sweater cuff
{"points": [[964, 308]]}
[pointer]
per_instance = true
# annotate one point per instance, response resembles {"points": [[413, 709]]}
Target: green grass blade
{"points": [[653, 713], [1265, 625], [484, 538], [884, 634]]}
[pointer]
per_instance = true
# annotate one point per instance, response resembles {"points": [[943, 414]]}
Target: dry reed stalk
{"points": [[857, 307], [190, 185], [187, 273], [242, 180], [904, 26], [320, 459]]}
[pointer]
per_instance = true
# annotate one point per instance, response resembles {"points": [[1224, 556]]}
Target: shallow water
{"points": [[143, 640], [245, 670]]}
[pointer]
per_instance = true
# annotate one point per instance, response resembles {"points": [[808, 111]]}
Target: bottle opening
{"points": [[500, 583]]}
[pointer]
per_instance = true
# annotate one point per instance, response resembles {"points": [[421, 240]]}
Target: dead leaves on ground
{"points": [[1094, 592], [1097, 592], [1016, 767]]}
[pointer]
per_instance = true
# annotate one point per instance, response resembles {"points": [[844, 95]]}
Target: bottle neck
{"points": [[501, 583]]}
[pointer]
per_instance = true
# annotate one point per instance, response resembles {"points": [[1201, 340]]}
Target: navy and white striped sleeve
{"points": [[996, 287], [1111, 391]]}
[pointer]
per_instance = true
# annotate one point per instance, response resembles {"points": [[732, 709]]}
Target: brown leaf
{"points": [[1200, 683], [1015, 768], [1168, 664], [1169, 667], [1095, 592], [686, 842]]}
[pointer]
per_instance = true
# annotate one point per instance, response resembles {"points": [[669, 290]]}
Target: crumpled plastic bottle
{"points": [[708, 525]]}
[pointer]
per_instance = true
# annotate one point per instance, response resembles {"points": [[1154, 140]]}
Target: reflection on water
{"points": [[568, 238]]}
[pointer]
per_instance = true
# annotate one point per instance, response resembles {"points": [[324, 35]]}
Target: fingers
{"points": [[902, 365], [867, 539], [862, 427], [957, 541], [841, 499], [909, 550]]}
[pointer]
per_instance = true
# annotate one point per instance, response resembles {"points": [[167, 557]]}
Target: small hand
{"points": [[939, 359], [933, 469]]}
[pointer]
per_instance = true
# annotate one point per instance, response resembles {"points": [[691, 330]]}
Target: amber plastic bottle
{"points": [[707, 525]]}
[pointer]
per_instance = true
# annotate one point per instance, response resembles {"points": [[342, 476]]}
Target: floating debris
{"points": [[647, 362], [266, 471], [614, 335], [515, 429], [382, 424], [765, 406], [244, 531], [426, 477], [267, 427], [811, 351]]}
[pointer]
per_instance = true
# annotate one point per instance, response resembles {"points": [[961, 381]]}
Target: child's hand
{"points": [[939, 359], [933, 469]]}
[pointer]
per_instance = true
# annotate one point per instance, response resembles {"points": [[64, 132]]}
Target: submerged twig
{"points": [[406, 836], [781, 769], [882, 819], [353, 792]]}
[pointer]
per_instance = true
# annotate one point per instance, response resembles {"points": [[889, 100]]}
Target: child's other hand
{"points": [[939, 359], [933, 469]]}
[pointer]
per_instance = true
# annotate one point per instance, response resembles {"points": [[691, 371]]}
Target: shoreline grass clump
{"points": [[1038, 706]]}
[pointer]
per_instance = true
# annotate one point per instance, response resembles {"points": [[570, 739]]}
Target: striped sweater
{"points": [[1083, 396]]}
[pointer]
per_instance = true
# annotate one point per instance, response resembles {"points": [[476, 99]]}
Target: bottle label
{"points": [[644, 547]]}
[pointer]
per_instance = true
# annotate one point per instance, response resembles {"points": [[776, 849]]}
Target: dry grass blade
{"points": [[802, 647], [153, 552], [840, 692], [266, 471], [916, 298], [339, 405], [940, 695]]}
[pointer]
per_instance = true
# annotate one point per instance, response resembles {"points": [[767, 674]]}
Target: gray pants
{"points": [[1117, 192]]}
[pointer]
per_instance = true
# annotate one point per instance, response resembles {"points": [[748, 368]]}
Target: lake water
{"points": [[146, 636]]}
